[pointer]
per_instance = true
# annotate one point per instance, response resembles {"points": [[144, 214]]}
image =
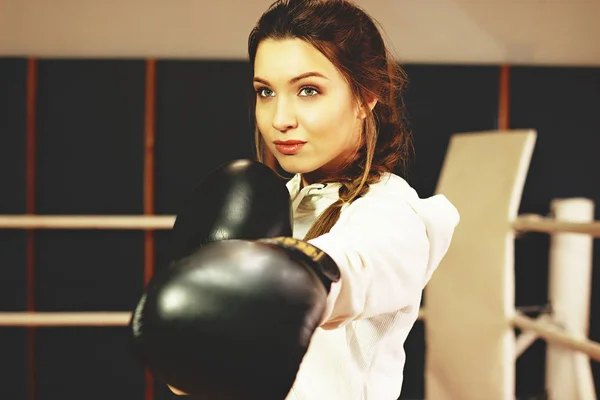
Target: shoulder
{"points": [[393, 202], [390, 190], [386, 201], [390, 186]]}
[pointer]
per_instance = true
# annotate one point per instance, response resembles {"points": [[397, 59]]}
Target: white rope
{"points": [[61, 319], [134, 222], [527, 338], [536, 223], [524, 223], [554, 335]]}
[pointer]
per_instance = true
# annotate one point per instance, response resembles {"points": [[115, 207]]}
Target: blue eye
{"points": [[309, 91]]}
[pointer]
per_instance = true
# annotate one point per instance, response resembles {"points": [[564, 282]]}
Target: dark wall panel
{"points": [[441, 101], [92, 270], [86, 363], [90, 136], [563, 105], [89, 161], [13, 76], [202, 121]]}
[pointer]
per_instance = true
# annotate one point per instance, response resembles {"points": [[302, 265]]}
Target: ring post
{"points": [[568, 373]]}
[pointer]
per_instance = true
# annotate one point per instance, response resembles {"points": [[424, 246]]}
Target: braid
{"points": [[349, 191]]}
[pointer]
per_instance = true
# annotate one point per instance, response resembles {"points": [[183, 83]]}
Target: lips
{"points": [[289, 147], [289, 142]]}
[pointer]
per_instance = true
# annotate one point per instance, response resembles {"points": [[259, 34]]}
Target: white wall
{"points": [[555, 32]]}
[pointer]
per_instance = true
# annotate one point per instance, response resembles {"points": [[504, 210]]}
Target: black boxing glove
{"points": [[235, 319], [242, 199]]}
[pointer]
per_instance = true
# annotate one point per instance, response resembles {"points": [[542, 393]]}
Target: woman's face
{"points": [[305, 110]]}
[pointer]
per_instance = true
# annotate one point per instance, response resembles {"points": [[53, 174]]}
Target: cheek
{"points": [[330, 123]]}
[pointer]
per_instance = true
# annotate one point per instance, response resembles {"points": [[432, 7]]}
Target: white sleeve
{"points": [[382, 250]]}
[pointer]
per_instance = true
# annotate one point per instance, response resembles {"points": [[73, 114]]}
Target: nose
{"points": [[285, 117]]}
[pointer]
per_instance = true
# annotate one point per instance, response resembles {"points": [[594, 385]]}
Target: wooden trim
{"points": [[149, 141], [504, 99], [149, 136], [30, 165]]}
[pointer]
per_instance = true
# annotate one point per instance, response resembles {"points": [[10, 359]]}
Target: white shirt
{"points": [[386, 244]]}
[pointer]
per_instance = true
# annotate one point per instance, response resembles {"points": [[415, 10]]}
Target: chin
{"points": [[295, 165]]}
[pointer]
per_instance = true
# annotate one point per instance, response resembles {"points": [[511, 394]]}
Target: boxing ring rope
{"points": [[525, 223], [117, 222], [64, 319], [537, 223], [553, 334], [564, 327]]}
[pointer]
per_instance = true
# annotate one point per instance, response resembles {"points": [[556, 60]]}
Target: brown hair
{"points": [[349, 38]]}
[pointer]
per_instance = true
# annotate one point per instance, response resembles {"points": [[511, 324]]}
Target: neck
{"points": [[331, 170], [318, 176], [326, 173], [308, 179]]}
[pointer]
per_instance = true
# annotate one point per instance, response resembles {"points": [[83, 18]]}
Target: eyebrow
{"points": [[294, 79]]}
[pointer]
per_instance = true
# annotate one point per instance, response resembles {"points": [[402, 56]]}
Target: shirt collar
{"points": [[320, 190]]}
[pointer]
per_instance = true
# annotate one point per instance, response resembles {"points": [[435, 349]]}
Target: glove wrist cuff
{"points": [[316, 259]]}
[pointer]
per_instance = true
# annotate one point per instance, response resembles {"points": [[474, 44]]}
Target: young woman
{"points": [[328, 108]]}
